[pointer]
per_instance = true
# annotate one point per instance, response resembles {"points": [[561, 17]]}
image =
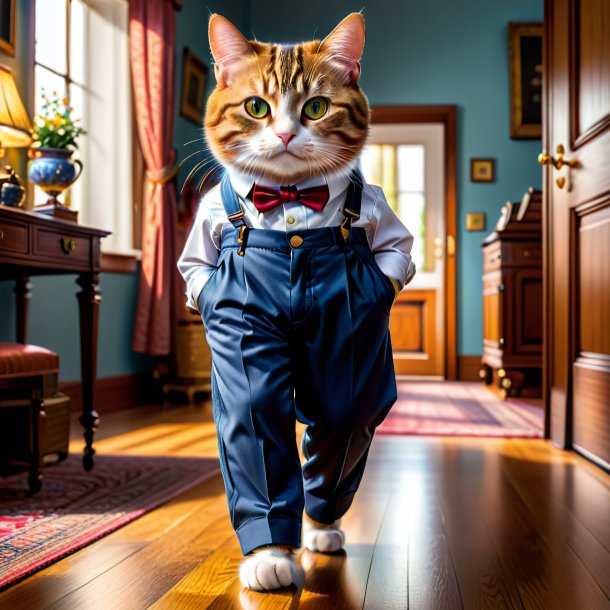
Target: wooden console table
{"points": [[35, 244]]}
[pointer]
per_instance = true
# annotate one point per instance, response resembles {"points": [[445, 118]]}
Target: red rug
{"points": [[448, 408], [75, 507]]}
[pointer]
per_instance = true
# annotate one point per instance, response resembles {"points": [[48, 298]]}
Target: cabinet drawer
{"points": [[13, 237], [61, 246], [492, 257], [527, 254]]}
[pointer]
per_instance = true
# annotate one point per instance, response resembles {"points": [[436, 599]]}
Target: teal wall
{"points": [[437, 52]]}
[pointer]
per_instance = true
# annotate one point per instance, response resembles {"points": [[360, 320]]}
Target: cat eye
{"points": [[315, 108], [257, 107]]}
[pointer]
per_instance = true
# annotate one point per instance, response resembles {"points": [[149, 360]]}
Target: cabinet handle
{"points": [[1, 234], [526, 253], [67, 245]]}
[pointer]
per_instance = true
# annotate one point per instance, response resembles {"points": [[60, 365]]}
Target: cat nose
{"points": [[286, 137]]}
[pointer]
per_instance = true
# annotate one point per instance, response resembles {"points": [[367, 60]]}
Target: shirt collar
{"points": [[337, 183]]}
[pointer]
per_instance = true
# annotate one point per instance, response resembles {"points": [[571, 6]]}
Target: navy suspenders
{"points": [[235, 212]]}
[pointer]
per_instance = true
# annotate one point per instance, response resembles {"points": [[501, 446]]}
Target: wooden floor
{"points": [[437, 524]]}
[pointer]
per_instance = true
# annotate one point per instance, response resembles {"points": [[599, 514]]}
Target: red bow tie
{"points": [[267, 198]]}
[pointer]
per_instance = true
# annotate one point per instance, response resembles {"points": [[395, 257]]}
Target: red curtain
{"points": [[152, 40]]}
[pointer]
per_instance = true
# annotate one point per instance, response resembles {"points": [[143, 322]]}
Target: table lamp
{"points": [[15, 129], [15, 126]]}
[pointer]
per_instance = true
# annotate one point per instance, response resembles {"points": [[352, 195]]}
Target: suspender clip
{"points": [[242, 239], [346, 225]]}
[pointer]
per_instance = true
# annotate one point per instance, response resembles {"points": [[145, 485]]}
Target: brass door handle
{"points": [[558, 161]]}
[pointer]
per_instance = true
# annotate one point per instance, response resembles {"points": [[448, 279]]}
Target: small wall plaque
{"points": [[482, 170], [475, 221]]}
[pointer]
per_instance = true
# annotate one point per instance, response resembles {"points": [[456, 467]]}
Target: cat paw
{"points": [[323, 539], [270, 569]]}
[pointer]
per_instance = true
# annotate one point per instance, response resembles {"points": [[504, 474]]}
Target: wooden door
{"points": [[577, 225], [407, 161], [414, 162]]}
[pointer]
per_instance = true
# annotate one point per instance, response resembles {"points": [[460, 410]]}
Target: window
{"points": [[399, 170], [82, 53]]}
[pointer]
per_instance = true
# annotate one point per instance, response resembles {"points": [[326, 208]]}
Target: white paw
{"points": [[270, 569], [324, 540]]}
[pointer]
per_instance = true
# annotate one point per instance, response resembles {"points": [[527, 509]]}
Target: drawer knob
{"points": [[1, 234], [526, 253], [67, 245]]}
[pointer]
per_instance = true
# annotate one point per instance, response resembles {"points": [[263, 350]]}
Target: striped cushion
{"points": [[17, 360]]}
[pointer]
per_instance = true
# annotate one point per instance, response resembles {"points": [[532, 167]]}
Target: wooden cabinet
{"points": [[512, 299]]}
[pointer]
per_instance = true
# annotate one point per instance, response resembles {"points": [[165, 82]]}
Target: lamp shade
{"points": [[15, 124]]}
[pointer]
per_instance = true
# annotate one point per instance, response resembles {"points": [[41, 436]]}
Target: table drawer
{"points": [[61, 246], [13, 237]]}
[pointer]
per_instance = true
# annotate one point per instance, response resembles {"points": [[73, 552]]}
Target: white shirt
{"points": [[390, 241]]}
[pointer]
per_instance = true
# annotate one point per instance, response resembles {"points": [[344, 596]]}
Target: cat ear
{"points": [[228, 47], [344, 46]]}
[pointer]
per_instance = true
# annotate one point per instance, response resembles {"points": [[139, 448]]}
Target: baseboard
{"points": [[113, 393], [468, 368]]}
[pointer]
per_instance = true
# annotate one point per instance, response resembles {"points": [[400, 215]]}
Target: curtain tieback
{"points": [[161, 176]]}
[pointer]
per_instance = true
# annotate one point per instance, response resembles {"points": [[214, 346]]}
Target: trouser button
{"points": [[296, 241]]}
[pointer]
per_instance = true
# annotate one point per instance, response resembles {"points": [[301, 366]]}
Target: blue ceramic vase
{"points": [[53, 170]]}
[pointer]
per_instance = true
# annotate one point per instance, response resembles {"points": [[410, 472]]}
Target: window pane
{"points": [[411, 167], [78, 44], [50, 82], [412, 212], [51, 34], [378, 164]]}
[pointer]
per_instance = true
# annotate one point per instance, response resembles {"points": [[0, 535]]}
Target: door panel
{"points": [[577, 225], [415, 334]]}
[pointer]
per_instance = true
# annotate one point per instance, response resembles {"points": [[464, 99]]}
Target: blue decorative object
{"points": [[53, 171], [12, 195]]}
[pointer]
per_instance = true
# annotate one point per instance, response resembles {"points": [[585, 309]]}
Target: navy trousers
{"points": [[296, 332]]}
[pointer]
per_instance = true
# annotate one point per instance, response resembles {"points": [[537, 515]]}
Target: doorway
{"points": [[411, 154]]}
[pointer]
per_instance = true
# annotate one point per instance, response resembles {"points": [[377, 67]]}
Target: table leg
{"points": [[88, 303], [23, 294], [37, 429]]}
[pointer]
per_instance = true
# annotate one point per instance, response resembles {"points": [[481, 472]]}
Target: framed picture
{"points": [[7, 26], [482, 170], [525, 58], [194, 79]]}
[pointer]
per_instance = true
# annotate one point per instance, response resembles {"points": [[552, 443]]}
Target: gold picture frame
{"points": [[7, 26], [194, 80], [525, 60], [482, 170]]}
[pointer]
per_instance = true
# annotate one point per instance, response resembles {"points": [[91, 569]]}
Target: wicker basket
{"points": [[14, 429]]}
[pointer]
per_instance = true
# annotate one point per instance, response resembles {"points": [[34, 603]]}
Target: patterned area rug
{"points": [[75, 507], [448, 408]]}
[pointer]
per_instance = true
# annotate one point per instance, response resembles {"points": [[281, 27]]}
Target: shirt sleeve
{"points": [[392, 242], [200, 253]]}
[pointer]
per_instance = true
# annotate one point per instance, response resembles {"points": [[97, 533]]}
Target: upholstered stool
{"points": [[27, 371]]}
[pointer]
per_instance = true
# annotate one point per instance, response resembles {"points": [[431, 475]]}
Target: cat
{"points": [[283, 78], [285, 115]]}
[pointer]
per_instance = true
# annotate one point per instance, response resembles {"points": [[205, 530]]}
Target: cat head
{"points": [[282, 113]]}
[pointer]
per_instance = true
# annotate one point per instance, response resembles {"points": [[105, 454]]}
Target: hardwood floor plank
{"points": [[482, 580], [565, 527], [543, 577], [129, 584], [388, 580]]}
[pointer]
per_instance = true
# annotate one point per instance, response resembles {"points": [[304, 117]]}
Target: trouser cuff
{"points": [[268, 530], [327, 511]]}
